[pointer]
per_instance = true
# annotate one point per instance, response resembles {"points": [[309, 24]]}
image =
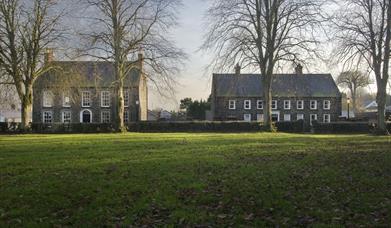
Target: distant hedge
{"points": [[196, 126], [72, 128], [342, 127], [212, 126]]}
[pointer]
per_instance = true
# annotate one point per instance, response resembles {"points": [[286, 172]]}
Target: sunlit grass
{"points": [[195, 179]]}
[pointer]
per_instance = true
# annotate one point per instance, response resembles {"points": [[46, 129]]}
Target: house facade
{"points": [[298, 96], [84, 92]]}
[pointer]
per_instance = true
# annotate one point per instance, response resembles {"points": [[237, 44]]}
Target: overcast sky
{"points": [[192, 80]]}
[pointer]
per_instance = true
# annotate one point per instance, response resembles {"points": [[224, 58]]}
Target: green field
{"points": [[195, 180]]}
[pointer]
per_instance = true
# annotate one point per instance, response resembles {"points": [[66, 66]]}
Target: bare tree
{"points": [[353, 80], [363, 32], [262, 34], [123, 28], [27, 28]]}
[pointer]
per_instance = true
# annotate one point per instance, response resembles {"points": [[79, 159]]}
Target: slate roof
{"points": [[283, 85], [90, 73]]}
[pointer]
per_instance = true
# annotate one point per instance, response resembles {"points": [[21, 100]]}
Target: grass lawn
{"points": [[195, 180]]}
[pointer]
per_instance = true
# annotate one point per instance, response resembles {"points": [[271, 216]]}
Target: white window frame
{"points": [[316, 105], [260, 118], [63, 116], [246, 119], [274, 104], [232, 104], [277, 113], [300, 115], [260, 104], [105, 99], [126, 98], [47, 99], [101, 116], [247, 104], [328, 119], [65, 96], [83, 99], [316, 118], [287, 104], [287, 119], [326, 104], [300, 105], [44, 117]]}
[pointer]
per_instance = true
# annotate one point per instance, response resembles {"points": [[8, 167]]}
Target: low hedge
{"points": [[72, 128], [213, 126], [291, 127], [9, 127], [342, 127]]}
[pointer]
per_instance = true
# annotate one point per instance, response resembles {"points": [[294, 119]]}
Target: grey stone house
{"points": [[83, 92], [294, 96]]}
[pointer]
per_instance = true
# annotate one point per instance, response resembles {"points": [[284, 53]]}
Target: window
{"points": [[232, 104], [300, 117], [66, 117], [105, 99], [287, 117], [326, 105], [247, 104], [247, 117], [300, 105], [126, 116], [313, 117], [86, 99], [66, 100], [126, 98], [326, 118], [47, 117], [275, 117], [274, 104], [47, 99], [259, 104], [260, 118], [287, 105], [313, 104], [105, 116]]}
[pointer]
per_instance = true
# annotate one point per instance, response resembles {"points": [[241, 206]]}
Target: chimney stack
{"points": [[49, 55], [141, 59], [237, 69], [299, 69]]}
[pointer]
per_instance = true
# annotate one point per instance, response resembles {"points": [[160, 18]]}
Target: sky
{"points": [[192, 80]]}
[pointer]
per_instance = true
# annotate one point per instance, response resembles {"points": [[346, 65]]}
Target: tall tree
{"points": [[363, 32], [121, 28], [27, 29], [262, 34], [353, 81]]}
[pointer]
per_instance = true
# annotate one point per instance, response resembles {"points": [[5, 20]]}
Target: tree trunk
{"points": [[381, 106], [26, 106], [268, 124], [120, 126]]}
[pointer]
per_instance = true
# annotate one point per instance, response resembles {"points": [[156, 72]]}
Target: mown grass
{"points": [[195, 180]]}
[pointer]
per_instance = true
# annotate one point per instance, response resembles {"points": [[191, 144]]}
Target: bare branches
{"points": [[260, 34], [363, 34], [26, 30], [121, 29]]}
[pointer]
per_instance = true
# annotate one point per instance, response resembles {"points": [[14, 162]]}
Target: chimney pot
{"points": [[299, 69], [237, 69], [49, 55]]}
